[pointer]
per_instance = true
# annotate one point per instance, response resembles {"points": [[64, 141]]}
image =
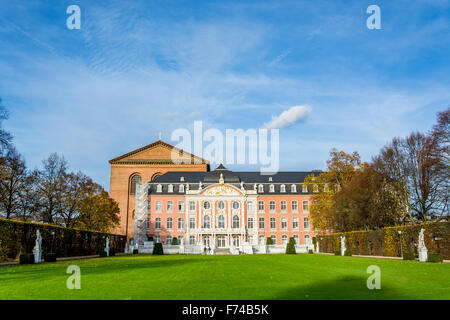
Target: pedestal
{"points": [[423, 254]]}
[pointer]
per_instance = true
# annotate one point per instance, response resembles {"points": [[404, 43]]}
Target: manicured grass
{"points": [[301, 276]]}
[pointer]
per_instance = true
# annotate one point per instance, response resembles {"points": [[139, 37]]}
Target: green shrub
{"points": [[26, 258], [102, 253], [435, 257], [269, 241], [135, 251], [112, 253], [337, 252], [310, 251], [348, 253], [158, 249], [174, 241], [50, 257], [290, 248], [409, 256]]}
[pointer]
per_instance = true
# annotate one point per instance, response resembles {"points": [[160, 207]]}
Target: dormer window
{"points": [[181, 179], [271, 188], [181, 188], [170, 188], [304, 188], [261, 188], [293, 188], [159, 188], [316, 188], [325, 187], [270, 179], [282, 188]]}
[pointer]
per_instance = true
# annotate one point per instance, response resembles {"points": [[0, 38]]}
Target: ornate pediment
{"points": [[222, 190]]}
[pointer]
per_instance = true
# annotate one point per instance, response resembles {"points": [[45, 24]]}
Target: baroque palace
{"points": [[161, 199]]}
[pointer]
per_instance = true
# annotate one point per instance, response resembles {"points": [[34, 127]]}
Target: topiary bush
{"points": [[135, 251], [435, 257], [174, 241], [290, 248], [348, 253], [409, 256], [26, 258], [50, 257], [310, 251], [158, 249], [337, 252], [112, 253], [269, 241]]}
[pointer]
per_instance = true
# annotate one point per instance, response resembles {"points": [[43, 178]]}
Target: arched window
{"points": [[206, 205], [206, 222], [307, 239], [181, 188], [159, 188], [284, 239], [235, 221], [169, 240], [170, 188], [136, 179], [261, 188], [282, 188], [221, 222], [271, 188], [221, 205], [293, 188], [235, 205]]}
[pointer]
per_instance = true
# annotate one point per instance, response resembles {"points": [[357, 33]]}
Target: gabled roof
{"points": [[125, 158]]}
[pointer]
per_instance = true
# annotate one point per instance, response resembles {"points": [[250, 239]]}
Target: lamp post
{"points": [[401, 247], [53, 239]]}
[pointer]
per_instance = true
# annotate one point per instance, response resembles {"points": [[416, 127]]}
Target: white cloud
{"points": [[289, 117]]}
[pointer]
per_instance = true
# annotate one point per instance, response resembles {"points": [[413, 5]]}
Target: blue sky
{"points": [[139, 67]]}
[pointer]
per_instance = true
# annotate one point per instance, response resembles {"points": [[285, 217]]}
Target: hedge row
{"points": [[18, 237], [386, 241]]}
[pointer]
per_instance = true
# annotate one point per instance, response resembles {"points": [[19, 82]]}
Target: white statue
{"points": [[200, 185], [107, 247], [187, 186], [423, 252], [242, 185], [343, 245], [221, 181], [37, 247]]}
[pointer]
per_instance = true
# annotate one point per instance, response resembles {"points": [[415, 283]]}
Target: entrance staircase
{"points": [[222, 251]]}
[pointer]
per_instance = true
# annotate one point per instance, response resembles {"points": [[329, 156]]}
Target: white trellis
{"points": [[140, 212]]}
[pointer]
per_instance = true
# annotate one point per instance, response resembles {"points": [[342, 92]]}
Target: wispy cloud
{"points": [[289, 117]]}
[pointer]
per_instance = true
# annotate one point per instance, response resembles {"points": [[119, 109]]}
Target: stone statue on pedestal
{"points": [[343, 245], [37, 247], [107, 247], [423, 252]]}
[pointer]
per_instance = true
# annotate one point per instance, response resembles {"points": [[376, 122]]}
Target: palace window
{"points": [[304, 188], [207, 222], [158, 206], [236, 241], [192, 205], [271, 188], [316, 188], [325, 187], [181, 188], [169, 206], [157, 239], [181, 179], [147, 223], [262, 240], [307, 239], [170, 188], [305, 205], [221, 205], [283, 205], [169, 239], [295, 223], [249, 206], [282, 188], [273, 223], [159, 188], [250, 239], [169, 223], [135, 180], [192, 223], [284, 239], [235, 205], [274, 239], [261, 188], [261, 223], [306, 223], [221, 222], [272, 206], [158, 224], [284, 223], [261, 206], [235, 222], [293, 188], [294, 206], [191, 240], [180, 206], [250, 223], [206, 205], [148, 206], [180, 239], [180, 224], [296, 239]]}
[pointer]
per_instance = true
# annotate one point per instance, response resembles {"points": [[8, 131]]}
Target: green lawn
{"points": [[302, 276]]}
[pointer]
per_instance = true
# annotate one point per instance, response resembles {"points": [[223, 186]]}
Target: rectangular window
{"points": [[274, 239], [273, 223], [158, 206], [147, 223], [261, 206], [250, 239], [262, 240], [192, 205], [192, 223], [180, 240], [284, 223], [295, 223], [305, 205], [296, 239], [158, 224], [180, 206], [283, 205], [191, 240], [169, 223], [169, 240], [170, 206], [306, 223], [180, 223], [261, 223], [157, 239], [272, 206], [249, 206], [148, 206], [250, 223], [294, 206]]}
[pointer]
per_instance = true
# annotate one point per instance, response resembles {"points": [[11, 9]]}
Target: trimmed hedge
{"points": [[435, 257], [158, 249], [348, 253], [310, 251], [409, 256], [18, 237], [174, 241], [337, 252], [102, 253], [290, 247], [26, 258], [50, 257], [269, 241], [386, 241]]}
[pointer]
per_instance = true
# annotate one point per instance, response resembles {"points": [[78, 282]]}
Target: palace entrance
{"points": [[221, 242]]}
